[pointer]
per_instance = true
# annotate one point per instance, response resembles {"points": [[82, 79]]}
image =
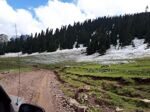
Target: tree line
{"points": [[97, 35]]}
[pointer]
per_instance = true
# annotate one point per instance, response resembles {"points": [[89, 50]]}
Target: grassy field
{"points": [[13, 65], [102, 88], [107, 88]]}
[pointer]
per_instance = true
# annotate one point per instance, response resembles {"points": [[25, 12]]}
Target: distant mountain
{"points": [[96, 35], [3, 38]]}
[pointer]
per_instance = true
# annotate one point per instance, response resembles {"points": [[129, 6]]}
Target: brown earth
{"points": [[39, 87]]}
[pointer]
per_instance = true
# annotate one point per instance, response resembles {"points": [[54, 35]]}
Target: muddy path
{"points": [[38, 87]]}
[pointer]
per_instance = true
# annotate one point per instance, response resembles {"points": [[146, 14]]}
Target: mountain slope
{"points": [[113, 55], [97, 35]]}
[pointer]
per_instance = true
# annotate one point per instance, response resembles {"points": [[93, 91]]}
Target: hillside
{"points": [[96, 35], [113, 55]]}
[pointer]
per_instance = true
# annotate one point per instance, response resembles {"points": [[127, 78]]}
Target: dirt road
{"points": [[38, 87]]}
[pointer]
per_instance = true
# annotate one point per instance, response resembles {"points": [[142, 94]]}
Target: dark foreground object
{"points": [[5, 104]]}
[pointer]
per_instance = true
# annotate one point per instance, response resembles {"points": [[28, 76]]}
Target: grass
{"points": [[111, 86], [111, 72], [13, 65]]}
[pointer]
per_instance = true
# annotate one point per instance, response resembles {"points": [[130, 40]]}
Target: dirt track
{"points": [[38, 87]]}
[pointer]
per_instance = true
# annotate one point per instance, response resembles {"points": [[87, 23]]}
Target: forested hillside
{"points": [[97, 35]]}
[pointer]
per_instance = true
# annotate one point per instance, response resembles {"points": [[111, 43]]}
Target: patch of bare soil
{"points": [[39, 87]]}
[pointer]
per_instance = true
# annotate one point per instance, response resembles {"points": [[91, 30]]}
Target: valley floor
{"points": [[95, 87]]}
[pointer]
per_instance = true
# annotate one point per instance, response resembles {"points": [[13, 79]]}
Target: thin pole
{"points": [[17, 103]]}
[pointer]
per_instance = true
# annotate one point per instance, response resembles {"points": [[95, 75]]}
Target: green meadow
{"points": [[106, 87], [122, 86], [13, 65]]}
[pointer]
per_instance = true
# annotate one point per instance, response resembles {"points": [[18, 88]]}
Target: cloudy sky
{"points": [[34, 15]]}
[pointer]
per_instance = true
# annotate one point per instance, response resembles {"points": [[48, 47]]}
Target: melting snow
{"points": [[113, 55], [94, 33], [146, 100]]}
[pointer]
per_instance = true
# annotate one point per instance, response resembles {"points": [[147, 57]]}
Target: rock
{"points": [[139, 111], [77, 106], [82, 109], [97, 106], [87, 88], [72, 102], [84, 89], [5, 72], [119, 109], [82, 97]]}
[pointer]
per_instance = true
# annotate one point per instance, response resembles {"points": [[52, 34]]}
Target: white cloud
{"points": [[57, 13], [23, 18], [112, 7], [26, 23]]}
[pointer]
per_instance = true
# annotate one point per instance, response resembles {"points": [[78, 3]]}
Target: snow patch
{"points": [[146, 100], [75, 44], [113, 55], [118, 55], [94, 33]]}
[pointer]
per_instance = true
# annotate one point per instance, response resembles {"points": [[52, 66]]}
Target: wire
{"points": [[19, 82]]}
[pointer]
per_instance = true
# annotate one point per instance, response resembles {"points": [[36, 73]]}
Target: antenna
{"points": [[17, 103]]}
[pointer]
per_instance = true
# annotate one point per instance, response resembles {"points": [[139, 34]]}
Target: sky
{"points": [[32, 16], [26, 4]]}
